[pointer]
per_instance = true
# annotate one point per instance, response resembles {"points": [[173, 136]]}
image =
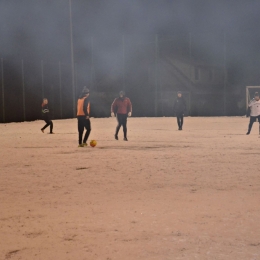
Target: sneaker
{"points": [[125, 139], [85, 144], [51, 133], [42, 130], [116, 137], [248, 133], [81, 145]]}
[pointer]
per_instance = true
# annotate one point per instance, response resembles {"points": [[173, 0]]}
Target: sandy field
{"points": [[163, 195]]}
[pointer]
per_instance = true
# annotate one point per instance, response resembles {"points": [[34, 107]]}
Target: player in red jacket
{"points": [[122, 107]]}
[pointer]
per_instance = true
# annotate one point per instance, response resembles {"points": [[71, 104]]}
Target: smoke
{"points": [[115, 40], [36, 29]]}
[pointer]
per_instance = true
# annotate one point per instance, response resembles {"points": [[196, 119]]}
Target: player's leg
{"points": [[124, 122], [251, 122], [51, 127], [259, 123], [178, 121], [181, 121], [46, 125], [80, 129], [88, 130], [119, 123]]}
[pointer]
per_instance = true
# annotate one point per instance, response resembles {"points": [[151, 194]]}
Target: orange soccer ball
{"points": [[93, 143]]}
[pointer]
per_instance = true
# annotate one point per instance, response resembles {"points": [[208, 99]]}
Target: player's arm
{"points": [[184, 104], [248, 112], [249, 108], [251, 103], [129, 108], [174, 106], [86, 107], [113, 107]]}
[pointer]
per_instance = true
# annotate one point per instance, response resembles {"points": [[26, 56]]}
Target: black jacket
{"points": [[45, 112], [179, 105]]}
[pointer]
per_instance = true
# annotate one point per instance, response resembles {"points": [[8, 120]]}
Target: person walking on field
{"points": [[83, 114], [179, 109], [46, 116], [254, 110], [122, 108]]}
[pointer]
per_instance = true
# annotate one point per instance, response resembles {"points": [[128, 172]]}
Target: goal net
{"points": [[250, 93]]}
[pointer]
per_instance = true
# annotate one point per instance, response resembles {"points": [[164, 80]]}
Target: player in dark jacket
{"points": [[122, 107], [179, 109], [83, 114], [46, 116]]}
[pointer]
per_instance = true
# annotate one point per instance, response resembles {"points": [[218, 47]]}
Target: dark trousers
{"points": [[83, 123], [251, 122], [179, 120], [48, 123], [122, 120]]}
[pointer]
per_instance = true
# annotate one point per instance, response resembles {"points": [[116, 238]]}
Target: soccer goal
{"points": [[250, 92]]}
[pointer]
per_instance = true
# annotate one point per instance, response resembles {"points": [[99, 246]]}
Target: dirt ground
{"points": [[163, 195]]}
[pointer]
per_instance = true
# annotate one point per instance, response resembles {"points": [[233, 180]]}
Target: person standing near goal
{"points": [[254, 108], [83, 113], [179, 109], [122, 107]]}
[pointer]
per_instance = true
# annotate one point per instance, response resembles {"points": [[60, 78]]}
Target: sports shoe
{"points": [[42, 130], [116, 137], [81, 145], [248, 133], [125, 139], [85, 144]]}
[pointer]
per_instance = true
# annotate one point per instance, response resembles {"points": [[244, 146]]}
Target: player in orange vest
{"points": [[83, 113]]}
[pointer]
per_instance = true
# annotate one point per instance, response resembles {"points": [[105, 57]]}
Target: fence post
{"points": [[24, 114], [190, 54], [60, 90], [123, 43], [225, 74], [92, 63], [156, 77], [3, 91], [76, 79], [42, 79], [72, 60]]}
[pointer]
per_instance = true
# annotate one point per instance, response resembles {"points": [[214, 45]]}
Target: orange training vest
{"points": [[80, 107]]}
